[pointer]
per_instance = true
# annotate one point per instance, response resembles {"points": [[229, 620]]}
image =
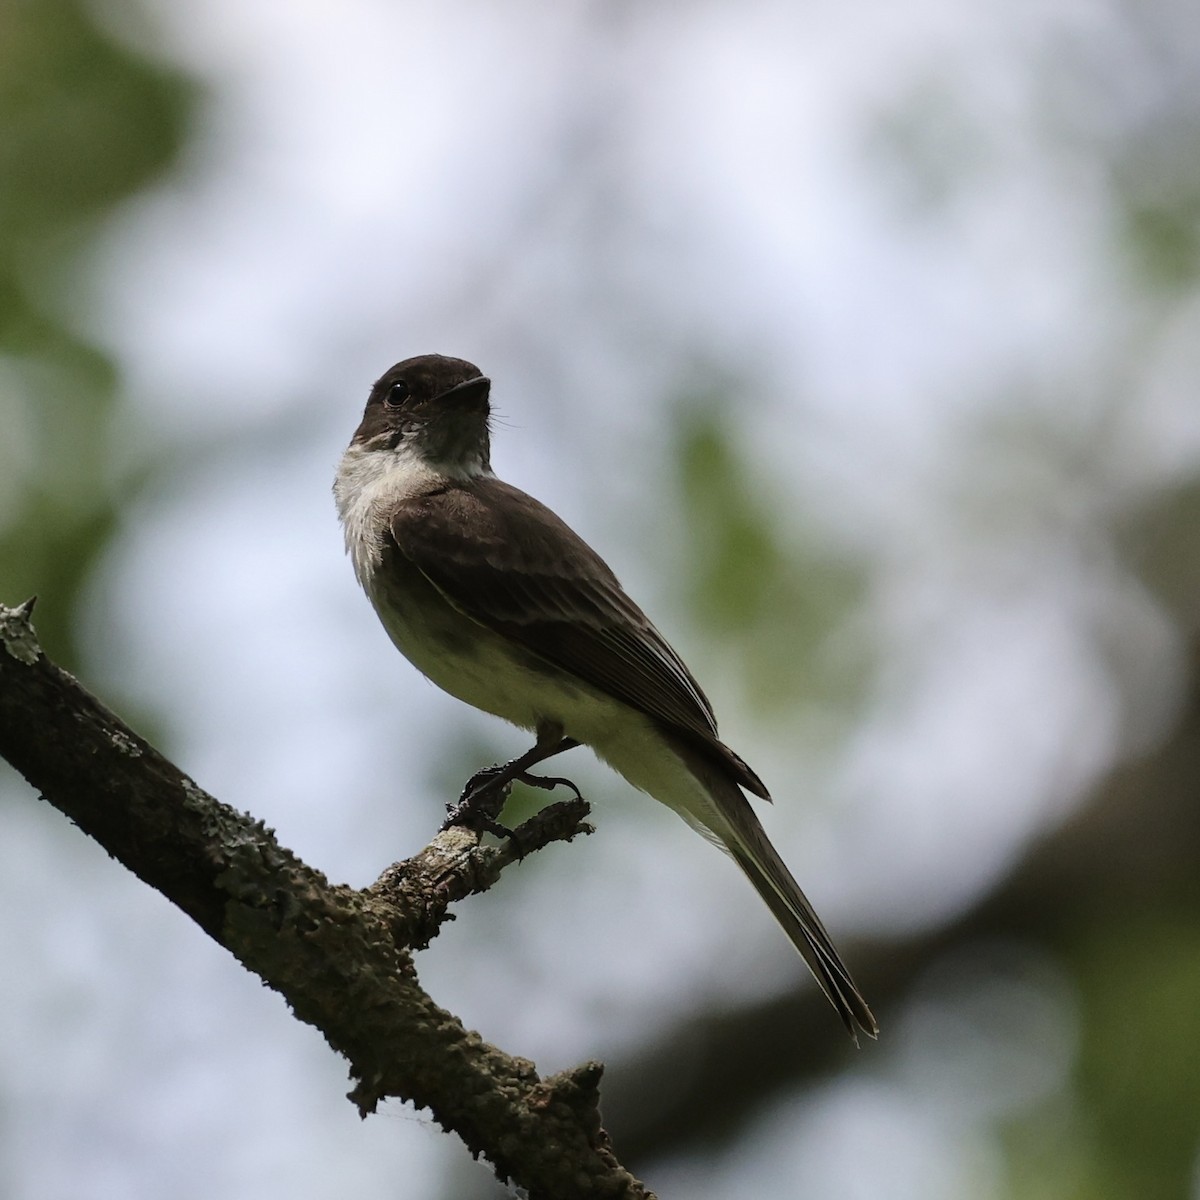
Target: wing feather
{"points": [[508, 562]]}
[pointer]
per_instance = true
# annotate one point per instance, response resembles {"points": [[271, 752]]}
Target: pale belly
{"points": [[495, 675], [487, 671]]}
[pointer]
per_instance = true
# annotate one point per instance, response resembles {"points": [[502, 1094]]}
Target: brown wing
{"points": [[524, 574]]}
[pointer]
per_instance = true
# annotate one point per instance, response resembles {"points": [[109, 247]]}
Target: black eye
{"points": [[396, 394]]}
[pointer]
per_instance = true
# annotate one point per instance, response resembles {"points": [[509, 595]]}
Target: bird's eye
{"points": [[396, 394]]}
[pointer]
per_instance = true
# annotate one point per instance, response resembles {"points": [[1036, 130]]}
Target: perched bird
{"points": [[497, 601]]}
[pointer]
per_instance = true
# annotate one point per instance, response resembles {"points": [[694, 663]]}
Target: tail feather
{"points": [[733, 825], [790, 907]]}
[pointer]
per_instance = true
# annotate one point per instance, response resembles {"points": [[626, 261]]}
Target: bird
{"points": [[497, 601]]}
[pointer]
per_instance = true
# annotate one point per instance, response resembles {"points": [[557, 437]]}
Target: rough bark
{"points": [[341, 958]]}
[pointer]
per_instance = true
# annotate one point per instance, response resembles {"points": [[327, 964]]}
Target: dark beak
{"points": [[469, 392]]}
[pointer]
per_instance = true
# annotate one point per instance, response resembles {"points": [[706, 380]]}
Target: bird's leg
{"points": [[485, 792], [550, 741]]}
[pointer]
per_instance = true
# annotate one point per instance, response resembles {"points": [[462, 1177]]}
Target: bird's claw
{"points": [[480, 803], [484, 794], [549, 782]]}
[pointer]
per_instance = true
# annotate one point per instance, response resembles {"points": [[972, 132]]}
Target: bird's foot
{"points": [[549, 782], [481, 801], [483, 797]]}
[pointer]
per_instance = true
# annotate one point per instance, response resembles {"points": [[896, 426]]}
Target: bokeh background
{"points": [[862, 339]]}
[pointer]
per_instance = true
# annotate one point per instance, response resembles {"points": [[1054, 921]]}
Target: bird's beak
{"points": [[469, 392]]}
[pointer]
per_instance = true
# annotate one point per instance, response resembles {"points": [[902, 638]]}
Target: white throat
{"points": [[370, 483]]}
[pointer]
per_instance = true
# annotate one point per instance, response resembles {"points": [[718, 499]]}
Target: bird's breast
{"points": [[483, 668], [457, 653]]}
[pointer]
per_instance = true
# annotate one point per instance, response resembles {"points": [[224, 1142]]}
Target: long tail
{"points": [[733, 825], [774, 883]]}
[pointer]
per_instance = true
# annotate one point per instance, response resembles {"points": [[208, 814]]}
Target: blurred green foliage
{"points": [[1156, 184], [764, 589], [84, 124], [1166, 241], [1140, 1093]]}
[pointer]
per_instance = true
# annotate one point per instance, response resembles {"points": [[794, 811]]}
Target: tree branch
{"points": [[341, 958]]}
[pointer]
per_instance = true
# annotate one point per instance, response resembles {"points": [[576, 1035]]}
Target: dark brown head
{"points": [[434, 406]]}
